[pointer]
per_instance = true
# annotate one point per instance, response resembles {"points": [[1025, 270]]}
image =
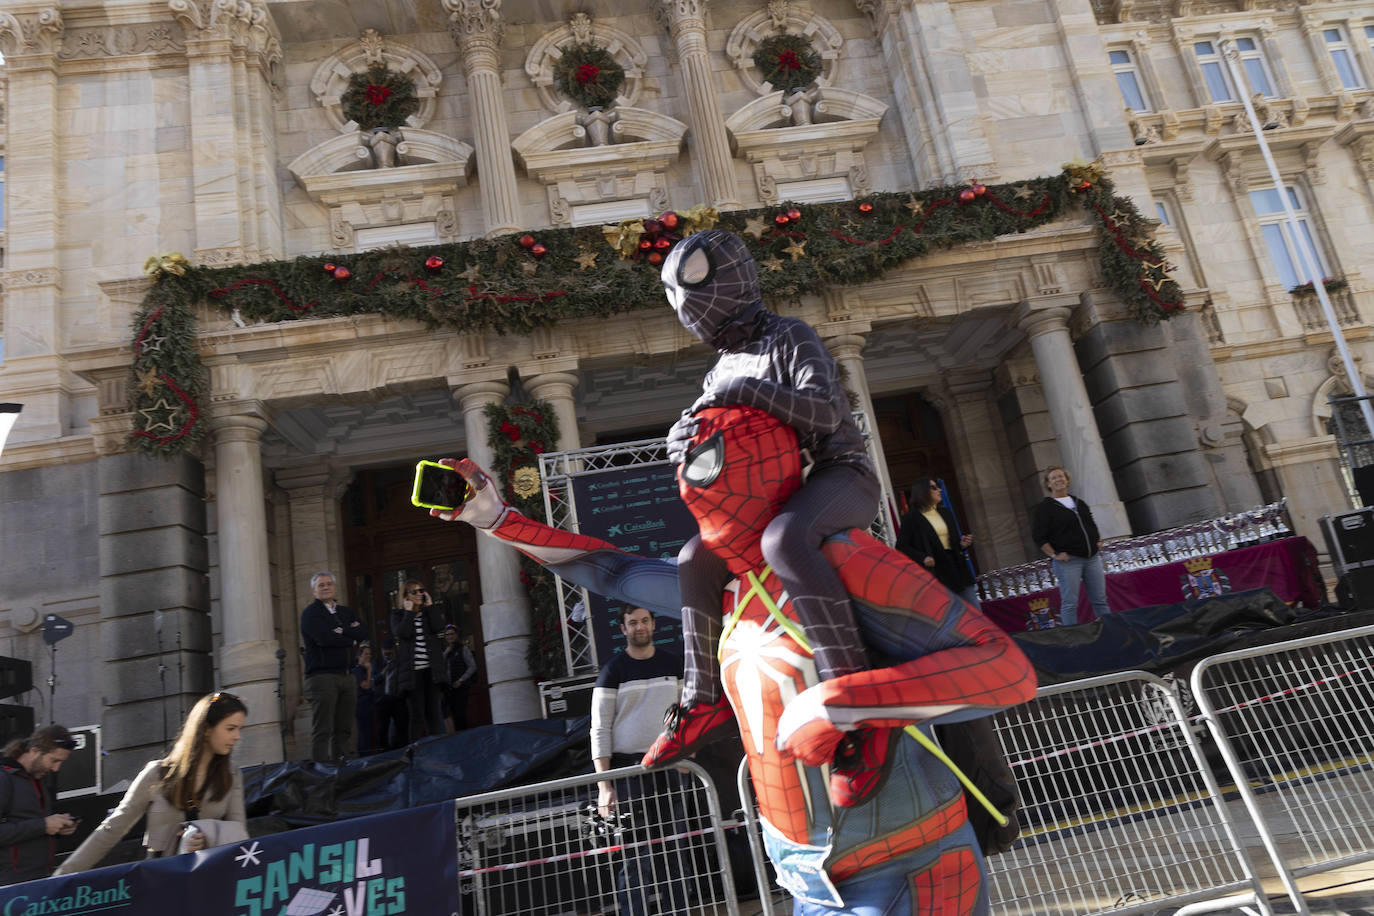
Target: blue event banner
{"points": [[402, 862]]}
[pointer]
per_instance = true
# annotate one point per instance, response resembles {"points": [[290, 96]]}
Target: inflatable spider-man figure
{"points": [[908, 846]]}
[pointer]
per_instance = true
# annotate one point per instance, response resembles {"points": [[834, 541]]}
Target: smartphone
{"points": [[438, 487]]}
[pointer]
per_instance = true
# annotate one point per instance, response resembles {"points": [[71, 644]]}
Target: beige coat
{"points": [[145, 797]]}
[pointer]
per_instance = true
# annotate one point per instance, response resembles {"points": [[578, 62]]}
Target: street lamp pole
{"points": [[1307, 257]]}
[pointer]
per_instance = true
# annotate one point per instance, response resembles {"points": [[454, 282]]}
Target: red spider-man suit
{"points": [[907, 847]]}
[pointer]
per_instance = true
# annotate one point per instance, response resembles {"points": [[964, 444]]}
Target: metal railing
{"points": [[546, 850], [1294, 723]]}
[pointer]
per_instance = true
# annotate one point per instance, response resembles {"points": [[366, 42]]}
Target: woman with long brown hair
{"points": [[196, 780]]}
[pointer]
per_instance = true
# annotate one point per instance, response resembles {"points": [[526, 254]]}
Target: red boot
{"points": [[686, 729], [860, 765]]}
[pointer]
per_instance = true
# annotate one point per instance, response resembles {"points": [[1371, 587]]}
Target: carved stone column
{"points": [[30, 38], [555, 383], [476, 26], [505, 604], [1071, 413], [685, 21], [248, 658], [233, 58], [845, 340]]}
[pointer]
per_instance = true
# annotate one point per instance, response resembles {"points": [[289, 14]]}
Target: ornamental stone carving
{"points": [[120, 41], [582, 29], [781, 17], [475, 21], [246, 25], [30, 33], [332, 75]]}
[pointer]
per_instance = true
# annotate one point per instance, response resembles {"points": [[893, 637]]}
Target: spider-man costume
{"points": [[908, 846], [778, 365]]}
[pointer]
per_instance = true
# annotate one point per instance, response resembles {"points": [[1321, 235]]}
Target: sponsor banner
{"points": [[638, 510], [404, 862]]}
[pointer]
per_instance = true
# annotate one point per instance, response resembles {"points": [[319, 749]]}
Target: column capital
{"points": [[30, 38], [245, 425], [476, 395], [1035, 319], [675, 15], [477, 29], [550, 380]]}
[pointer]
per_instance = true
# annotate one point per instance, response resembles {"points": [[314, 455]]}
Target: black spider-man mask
{"points": [[712, 283], [742, 468]]}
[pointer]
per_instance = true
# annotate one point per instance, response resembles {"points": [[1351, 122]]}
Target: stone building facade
{"points": [[214, 128]]}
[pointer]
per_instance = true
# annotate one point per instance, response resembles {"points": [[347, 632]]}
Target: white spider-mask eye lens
{"points": [[695, 269], [705, 462]]}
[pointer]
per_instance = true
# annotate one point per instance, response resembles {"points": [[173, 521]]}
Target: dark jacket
{"points": [[403, 631], [327, 652], [28, 850], [1070, 531], [918, 540]]}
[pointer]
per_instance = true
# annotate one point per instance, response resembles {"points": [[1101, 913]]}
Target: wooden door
{"points": [[387, 540]]}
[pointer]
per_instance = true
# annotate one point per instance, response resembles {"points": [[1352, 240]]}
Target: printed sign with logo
{"points": [[638, 510], [403, 862]]}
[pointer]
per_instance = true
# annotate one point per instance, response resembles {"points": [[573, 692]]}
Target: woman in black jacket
{"points": [[418, 628], [1062, 525], [930, 536]]}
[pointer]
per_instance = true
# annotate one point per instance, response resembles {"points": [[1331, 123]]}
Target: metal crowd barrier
{"points": [[545, 850], [1121, 813], [1294, 723]]}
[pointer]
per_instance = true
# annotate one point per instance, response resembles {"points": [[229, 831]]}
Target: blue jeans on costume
{"points": [[1085, 570]]}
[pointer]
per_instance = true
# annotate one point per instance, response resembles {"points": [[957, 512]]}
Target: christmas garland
{"points": [[787, 61], [589, 75], [517, 435], [514, 284], [379, 98]]}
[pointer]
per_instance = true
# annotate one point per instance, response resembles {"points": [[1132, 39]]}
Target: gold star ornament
{"points": [[796, 249], [756, 227], [1024, 192], [149, 382], [772, 264], [152, 423], [472, 274], [915, 206], [587, 260]]}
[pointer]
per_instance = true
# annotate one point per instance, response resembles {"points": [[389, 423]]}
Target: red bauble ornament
{"points": [[342, 274], [979, 189], [794, 214], [538, 250], [663, 244], [781, 219], [655, 258], [329, 268], [526, 241], [967, 196], [434, 263], [652, 227], [865, 207], [645, 244], [670, 220]]}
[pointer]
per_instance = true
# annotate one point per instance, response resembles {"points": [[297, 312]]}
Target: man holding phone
{"points": [[27, 824], [328, 632]]}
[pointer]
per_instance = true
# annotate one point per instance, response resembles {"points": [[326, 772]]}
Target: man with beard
{"points": [[628, 700], [27, 824]]}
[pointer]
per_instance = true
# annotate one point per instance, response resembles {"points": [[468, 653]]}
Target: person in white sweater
{"points": [[196, 780]]}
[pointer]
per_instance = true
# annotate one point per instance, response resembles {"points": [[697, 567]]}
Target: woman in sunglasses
{"points": [[418, 628], [930, 536], [195, 781]]}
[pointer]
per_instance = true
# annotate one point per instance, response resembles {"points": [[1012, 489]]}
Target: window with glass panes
{"points": [[1278, 234], [1214, 71], [1128, 80], [1339, 49]]}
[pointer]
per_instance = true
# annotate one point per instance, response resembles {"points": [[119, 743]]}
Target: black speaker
{"points": [[1355, 590], [1350, 539], [16, 676], [15, 722]]}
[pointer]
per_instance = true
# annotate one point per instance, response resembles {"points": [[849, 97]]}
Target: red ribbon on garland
{"points": [[587, 73], [378, 95]]}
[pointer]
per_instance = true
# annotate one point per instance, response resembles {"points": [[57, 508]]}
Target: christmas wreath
{"points": [[518, 434], [589, 75], [788, 62], [379, 98]]}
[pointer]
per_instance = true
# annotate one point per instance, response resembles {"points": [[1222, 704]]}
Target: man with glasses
{"points": [[27, 824], [328, 633]]}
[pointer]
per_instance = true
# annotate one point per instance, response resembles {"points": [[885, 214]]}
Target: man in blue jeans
{"points": [[1063, 526]]}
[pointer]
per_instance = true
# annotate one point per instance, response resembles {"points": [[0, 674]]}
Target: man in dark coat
{"points": [[27, 824], [328, 632]]}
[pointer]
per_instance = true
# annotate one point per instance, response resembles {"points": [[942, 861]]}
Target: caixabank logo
{"points": [[334, 879], [83, 898]]}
